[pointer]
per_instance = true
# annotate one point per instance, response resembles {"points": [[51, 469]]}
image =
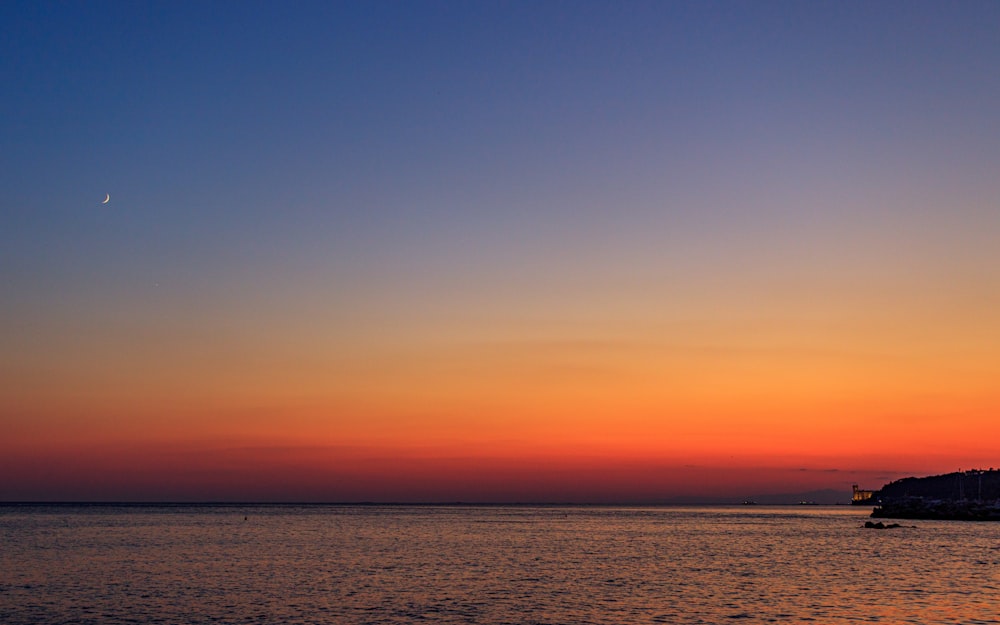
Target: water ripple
{"points": [[490, 566]]}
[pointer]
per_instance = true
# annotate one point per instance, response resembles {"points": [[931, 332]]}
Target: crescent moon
{"points": [[107, 199]]}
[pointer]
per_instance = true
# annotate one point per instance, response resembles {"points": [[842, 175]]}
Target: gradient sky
{"points": [[538, 251]]}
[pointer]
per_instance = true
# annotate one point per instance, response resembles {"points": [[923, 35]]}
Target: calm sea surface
{"points": [[490, 565]]}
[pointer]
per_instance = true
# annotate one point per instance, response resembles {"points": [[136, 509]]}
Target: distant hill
{"points": [[976, 484], [960, 496], [826, 497]]}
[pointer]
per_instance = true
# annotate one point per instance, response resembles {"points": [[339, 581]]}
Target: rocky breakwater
{"points": [[934, 509]]}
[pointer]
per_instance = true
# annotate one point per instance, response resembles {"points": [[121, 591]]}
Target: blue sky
{"points": [[327, 185]]}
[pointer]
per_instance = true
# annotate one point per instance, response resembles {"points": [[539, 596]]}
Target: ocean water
{"points": [[489, 565]]}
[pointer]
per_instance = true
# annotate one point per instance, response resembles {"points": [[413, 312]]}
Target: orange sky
{"points": [[648, 252], [731, 407]]}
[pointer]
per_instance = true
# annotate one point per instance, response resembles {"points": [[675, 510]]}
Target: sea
{"points": [[490, 565]]}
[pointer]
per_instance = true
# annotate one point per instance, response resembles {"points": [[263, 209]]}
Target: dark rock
{"points": [[882, 526]]}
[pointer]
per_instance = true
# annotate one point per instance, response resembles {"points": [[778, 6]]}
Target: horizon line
{"points": [[410, 503]]}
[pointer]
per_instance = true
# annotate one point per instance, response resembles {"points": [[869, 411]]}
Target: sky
{"points": [[496, 251]]}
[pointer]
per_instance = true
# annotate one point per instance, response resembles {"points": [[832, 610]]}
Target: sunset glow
{"points": [[557, 253]]}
